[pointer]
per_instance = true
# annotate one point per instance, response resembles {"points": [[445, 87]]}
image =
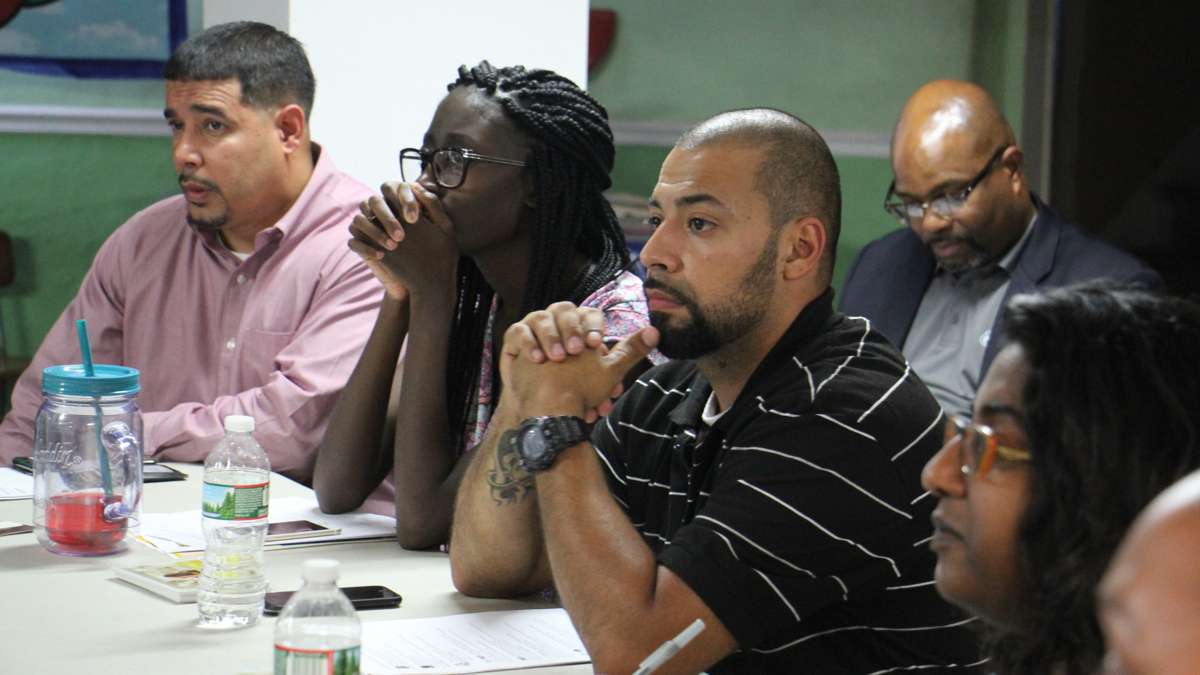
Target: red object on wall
{"points": [[9, 9], [602, 28]]}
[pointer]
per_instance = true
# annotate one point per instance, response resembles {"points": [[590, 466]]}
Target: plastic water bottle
{"points": [[237, 477], [318, 631]]}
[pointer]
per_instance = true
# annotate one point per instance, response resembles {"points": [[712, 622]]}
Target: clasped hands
{"points": [[555, 362], [405, 254]]}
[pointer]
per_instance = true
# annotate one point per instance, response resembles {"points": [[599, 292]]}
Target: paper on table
{"points": [[471, 643], [15, 485], [181, 532]]}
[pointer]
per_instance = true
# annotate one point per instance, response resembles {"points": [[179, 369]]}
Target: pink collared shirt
{"points": [[274, 337]]}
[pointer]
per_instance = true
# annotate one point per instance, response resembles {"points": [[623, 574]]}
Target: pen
{"points": [[669, 648]]}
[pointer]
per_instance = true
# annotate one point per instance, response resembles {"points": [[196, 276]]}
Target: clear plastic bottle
{"points": [[237, 477], [318, 631]]}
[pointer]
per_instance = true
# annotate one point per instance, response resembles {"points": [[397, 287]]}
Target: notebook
{"points": [[177, 581]]}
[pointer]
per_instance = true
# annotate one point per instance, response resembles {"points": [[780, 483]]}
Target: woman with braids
{"points": [[503, 215], [1085, 416]]}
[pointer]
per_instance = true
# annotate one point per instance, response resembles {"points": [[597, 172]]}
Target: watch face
{"points": [[540, 439], [532, 443]]}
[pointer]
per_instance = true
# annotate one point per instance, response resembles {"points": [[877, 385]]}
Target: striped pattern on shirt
{"points": [[798, 517]]}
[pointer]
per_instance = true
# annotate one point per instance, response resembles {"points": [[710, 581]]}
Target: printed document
{"points": [[15, 485], [181, 532], [471, 643]]}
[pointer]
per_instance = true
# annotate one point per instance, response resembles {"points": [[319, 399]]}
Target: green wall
{"points": [[998, 54], [62, 196], [845, 66], [839, 64]]}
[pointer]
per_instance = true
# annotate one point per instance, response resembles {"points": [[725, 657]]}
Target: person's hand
{"points": [[581, 384], [405, 238], [560, 330]]}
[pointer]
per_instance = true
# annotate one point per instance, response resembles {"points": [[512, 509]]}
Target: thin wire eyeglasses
{"points": [[946, 205], [449, 165]]}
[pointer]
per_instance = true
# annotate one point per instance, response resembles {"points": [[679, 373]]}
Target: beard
{"points": [[211, 224], [707, 329], [975, 257]]}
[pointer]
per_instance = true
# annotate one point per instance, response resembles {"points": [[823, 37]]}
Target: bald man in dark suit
{"points": [[974, 236]]}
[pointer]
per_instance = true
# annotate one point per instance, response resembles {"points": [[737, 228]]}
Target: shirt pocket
{"points": [[258, 357]]}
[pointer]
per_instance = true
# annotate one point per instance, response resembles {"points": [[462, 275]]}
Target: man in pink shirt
{"points": [[240, 296]]}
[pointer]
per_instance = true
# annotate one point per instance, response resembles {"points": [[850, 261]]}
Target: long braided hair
{"points": [[570, 161]]}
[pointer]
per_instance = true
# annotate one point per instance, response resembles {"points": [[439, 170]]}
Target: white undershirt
{"points": [[237, 254], [711, 414]]}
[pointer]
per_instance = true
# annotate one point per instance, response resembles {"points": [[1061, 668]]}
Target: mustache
{"points": [[952, 238], [947, 239], [652, 284], [185, 178]]}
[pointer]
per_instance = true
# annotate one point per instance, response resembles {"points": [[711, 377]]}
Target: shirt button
{"points": [[230, 344], [241, 279]]}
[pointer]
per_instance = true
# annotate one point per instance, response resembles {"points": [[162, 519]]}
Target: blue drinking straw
{"points": [[85, 347], [89, 369]]}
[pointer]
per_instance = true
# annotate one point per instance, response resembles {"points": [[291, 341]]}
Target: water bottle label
{"points": [[293, 661], [235, 502]]}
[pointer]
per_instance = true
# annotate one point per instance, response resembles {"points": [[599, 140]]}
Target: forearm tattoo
{"points": [[508, 480]]}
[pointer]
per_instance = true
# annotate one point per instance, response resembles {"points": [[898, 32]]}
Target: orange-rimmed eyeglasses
{"points": [[978, 447]]}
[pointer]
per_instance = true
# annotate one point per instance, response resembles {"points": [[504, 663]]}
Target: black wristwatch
{"points": [[539, 439]]}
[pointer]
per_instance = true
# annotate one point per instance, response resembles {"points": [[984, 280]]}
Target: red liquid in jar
{"points": [[75, 521]]}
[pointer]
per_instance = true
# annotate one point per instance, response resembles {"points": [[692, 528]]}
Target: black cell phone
{"points": [[362, 597], [293, 529], [23, 464], [152, 471]]}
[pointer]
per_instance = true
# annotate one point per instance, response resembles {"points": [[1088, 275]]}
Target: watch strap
{"points": [[568, 430], [559, 432]]}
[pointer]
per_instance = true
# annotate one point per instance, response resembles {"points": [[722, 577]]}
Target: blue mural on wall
{"points": [[85, 38]]}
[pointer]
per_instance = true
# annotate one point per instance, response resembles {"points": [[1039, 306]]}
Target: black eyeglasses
{"points": [[946, 205], [449, 164]]}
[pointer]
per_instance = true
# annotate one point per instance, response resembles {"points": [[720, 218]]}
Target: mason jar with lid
{"points": [[87, 459]]}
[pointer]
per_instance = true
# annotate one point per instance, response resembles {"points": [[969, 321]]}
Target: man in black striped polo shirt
{"points": [[766, 481]]}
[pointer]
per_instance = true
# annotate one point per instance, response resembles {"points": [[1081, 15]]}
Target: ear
{"points": [[291, 125], [1014, 161], [801, 244]]}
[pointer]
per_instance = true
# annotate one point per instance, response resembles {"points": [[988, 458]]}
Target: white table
{"points": [[71, 615]]}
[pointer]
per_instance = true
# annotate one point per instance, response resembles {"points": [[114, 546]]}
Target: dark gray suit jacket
{"points": [[889, 276]]}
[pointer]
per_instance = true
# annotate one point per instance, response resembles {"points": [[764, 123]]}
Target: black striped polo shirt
{"points": [[799, 516]]}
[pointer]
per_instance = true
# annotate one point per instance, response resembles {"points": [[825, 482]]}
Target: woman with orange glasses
{"points": [[1083, 417]]}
